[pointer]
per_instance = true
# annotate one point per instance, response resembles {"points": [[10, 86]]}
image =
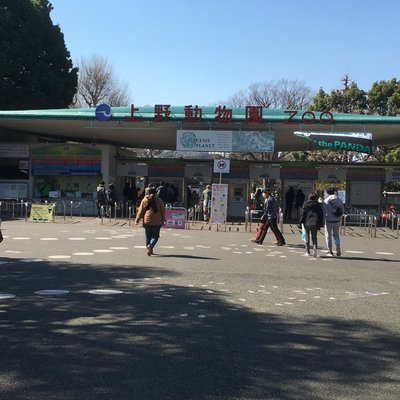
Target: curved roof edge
{"points": [[208, 115]]}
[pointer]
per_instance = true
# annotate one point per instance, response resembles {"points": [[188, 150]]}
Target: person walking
{"points": [[312, 218], [101, 197], [333, 210], [206, 199], [299, 201], [111, 199], [289, 197], [270, 216], [152, 211]]}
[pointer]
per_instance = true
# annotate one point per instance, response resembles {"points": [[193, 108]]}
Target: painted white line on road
{"points": [[354, 251], [76, 238], [83, 254], [384, 253], [6, 296], [51, 292], [189, 248], [59, 257], [29, 260], [103, 251], [105, 292], [49, 239], [119, 248], [103, 238], [21, 238]]}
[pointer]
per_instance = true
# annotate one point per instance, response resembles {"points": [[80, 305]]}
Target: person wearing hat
{"points": [[270, 216], [206, 200], [332, 222]]}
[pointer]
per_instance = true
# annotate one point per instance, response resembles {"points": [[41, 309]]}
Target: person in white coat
{"points": [[331, 221]]}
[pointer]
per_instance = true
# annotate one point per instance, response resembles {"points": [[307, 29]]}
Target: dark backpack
{"points": [[337, 211], [101, 197]]}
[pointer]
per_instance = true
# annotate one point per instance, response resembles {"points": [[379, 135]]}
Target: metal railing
{"points": [[362, 220], [251, 216]]}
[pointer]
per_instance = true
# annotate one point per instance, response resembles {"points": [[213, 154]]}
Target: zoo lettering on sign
{"points": [[308, 117]]}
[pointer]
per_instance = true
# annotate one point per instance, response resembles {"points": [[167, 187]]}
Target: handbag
{"points": [[303, 234]]}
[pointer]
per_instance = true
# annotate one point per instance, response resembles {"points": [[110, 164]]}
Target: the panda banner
{"points": [[360, 142]]}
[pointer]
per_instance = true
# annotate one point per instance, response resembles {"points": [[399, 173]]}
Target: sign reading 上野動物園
{"points": [[229, 141], [360, 142]]}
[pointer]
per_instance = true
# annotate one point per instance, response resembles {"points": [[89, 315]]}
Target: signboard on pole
{"points": [[222, 166], [219, 203]]}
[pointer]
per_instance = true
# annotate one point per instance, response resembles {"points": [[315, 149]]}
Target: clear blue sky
{"points": [[184, 52]]}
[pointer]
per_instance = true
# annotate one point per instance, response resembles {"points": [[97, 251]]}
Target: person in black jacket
{"points": [[311, 217]]}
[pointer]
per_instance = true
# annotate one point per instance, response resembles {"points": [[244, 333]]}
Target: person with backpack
{"points": [[152, 211], [333, 210], [312, 219], [111, 199], [101, 197]]}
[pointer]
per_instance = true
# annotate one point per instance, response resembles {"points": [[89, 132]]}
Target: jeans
{"points": [[152, 233], [332, 232]]}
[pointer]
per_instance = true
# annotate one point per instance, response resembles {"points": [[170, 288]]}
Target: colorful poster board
{"points": [[66, 160], [41, 213], [175, 218], [219, 203]]}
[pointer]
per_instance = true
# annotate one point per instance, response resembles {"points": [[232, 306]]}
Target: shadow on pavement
{"points": [[162, 341]]}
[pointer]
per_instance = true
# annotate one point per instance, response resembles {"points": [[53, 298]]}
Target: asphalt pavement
{"points": [[86, 314]]}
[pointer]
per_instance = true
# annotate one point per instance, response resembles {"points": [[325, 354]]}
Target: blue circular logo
{"points": [[103, 112]]}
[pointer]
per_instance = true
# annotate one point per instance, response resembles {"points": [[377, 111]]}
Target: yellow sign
{"points": [[41, 213]]}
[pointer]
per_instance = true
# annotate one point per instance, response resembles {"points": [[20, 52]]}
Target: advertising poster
{"points": [[230, 141], [175, 218], [41, 213], [219, 203]]}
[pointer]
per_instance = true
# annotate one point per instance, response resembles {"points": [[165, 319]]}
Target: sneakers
{"points": [[149, 250], [281, 243], [338, 252], [329, 254], [307, 254]]}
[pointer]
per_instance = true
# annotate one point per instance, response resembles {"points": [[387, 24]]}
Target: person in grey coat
{"points": [[332, 221]]}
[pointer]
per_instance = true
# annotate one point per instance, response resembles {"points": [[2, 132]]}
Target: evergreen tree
{"points": [[384, 97], [35, 66]]}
